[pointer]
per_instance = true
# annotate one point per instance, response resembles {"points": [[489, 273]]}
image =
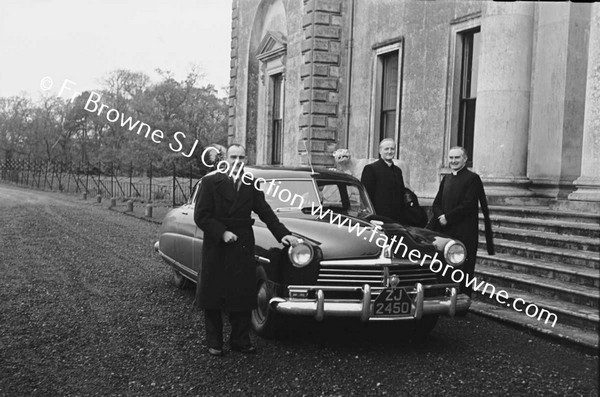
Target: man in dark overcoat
{"points": [[456, 209], [385, 184], [227, 279]]}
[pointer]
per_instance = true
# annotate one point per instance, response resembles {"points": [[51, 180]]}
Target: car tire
{"points": [[420, 329], [179, 280], [265, 321]]}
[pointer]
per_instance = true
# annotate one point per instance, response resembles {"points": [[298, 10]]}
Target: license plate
{"points": [[393, 302]]}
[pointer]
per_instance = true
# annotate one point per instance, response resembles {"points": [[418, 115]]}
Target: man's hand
{"points": [[442, 219], [229, 237], [290, 240]]}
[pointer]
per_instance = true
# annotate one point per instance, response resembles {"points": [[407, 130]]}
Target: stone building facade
{"points": [[517, 83]]}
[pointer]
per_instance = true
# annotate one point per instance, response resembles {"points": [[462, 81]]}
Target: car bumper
{"points": [[321, 307]]}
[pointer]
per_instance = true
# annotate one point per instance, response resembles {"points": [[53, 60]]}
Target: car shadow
{"points": [[353, 335]]}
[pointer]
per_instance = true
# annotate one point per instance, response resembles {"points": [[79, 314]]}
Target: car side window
{"points": [[347, 197]]}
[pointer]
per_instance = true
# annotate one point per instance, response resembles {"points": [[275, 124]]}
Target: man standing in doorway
{"points": [[384, 183], [456, 208], [227, 279]]}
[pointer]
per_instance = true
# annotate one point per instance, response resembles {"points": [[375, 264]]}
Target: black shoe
{"points": [[244, 349], [215, 352]]}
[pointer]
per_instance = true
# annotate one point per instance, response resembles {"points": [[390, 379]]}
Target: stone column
{"points": [[558, 97], [321, 52], [588, 184], [502, 110]]}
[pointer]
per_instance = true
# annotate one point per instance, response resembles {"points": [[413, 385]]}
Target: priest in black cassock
{"points": [[456, 209], [384, 183]]}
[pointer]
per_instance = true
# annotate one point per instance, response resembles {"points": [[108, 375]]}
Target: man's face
{"points": [[457, 159], [236, 153], [387, 150]]}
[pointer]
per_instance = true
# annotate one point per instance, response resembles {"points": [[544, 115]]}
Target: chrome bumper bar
{"points": [[363, 308]]}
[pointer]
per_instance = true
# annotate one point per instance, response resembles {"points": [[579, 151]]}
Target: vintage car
{"points": [[334, 271]]}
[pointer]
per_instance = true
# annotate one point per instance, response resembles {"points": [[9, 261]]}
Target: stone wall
{"points": [[534, 114]]}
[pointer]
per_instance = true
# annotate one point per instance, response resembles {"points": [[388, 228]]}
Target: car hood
{"points": [[340, 242]]}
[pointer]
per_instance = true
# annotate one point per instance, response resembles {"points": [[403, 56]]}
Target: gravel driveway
{"points": [[87, 308]]}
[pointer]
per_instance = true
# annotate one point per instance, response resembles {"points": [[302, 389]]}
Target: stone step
{"points": [[586, 339], [519, 201], [584, 259], [561, 227], [566, 313], [592, 207], [551, 270], [560, 290], [545, 238], [545, 213]]}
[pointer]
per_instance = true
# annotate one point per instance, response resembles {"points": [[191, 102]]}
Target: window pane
{"points": [[388, 125], [277, 96], [277, 119], [465, 135], [389, 95], [390, 81], [345, 198], [468, 92], [276, 146], [474, 65]]}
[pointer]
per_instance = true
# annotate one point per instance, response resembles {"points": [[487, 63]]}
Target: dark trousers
{"points": [[468, 269], [240, 328]]}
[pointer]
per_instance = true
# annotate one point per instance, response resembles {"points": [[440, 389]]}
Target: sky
{"points": [[82, 41]]}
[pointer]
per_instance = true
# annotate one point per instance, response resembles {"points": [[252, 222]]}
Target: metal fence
{"points": [[105, 179]]}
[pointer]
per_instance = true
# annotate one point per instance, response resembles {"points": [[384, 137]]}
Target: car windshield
{"points": [[289, 194]]}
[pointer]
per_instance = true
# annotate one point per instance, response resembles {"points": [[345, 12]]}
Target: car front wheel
{"points": [[264, 320]]}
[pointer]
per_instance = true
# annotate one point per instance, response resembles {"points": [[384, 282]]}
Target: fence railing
{"points": [[102, 179]]}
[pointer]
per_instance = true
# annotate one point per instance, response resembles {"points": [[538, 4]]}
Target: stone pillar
{"points": [[233, 70], [320, 72], [588, 184], [558, 97], [502, 110]]}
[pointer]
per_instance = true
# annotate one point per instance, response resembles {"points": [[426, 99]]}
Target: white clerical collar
{"points": [[457, 171]]}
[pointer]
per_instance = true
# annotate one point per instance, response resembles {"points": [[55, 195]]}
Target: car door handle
{"points": [[184, 213]]}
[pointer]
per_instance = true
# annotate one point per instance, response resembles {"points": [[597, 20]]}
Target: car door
{"points": [[187, 234]]}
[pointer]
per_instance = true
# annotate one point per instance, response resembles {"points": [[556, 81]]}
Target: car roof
{"points": [[275, 172]]}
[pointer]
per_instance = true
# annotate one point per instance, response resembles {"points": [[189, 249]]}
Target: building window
{"points": [[387, 94], [270, 99], [277, 118], [468, 91]]}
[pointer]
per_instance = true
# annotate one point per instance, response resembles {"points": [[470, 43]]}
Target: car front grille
{"points": [[374, 275]]}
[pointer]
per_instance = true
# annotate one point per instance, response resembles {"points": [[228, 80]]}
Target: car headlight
{"points": [[455, 252], [301, 254]]}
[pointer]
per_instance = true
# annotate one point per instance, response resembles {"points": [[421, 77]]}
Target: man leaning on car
{"points": [[227, 280]]}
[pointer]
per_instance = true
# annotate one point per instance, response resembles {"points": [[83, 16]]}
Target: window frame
{"points": [[458, 28], [380, 51], [274, 149]]}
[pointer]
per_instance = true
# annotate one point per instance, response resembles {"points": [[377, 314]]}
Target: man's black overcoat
{"points": [[385, 186], [228, 270], [458, 199]]}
